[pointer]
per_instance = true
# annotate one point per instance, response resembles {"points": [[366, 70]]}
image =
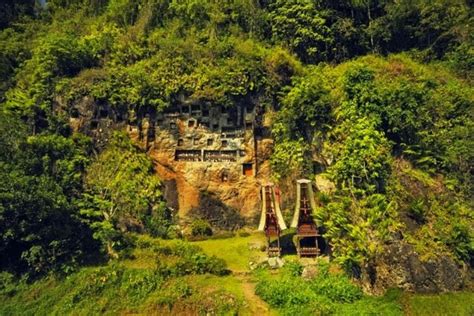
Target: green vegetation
{"points": [[139, 284], [237, 252], [121, 193], [115, 288], [376, 96], [378, 127]]}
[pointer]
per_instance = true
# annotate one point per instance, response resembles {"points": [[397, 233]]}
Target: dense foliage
{"points": [[327, 293], [41, 180], [370, 125], [118, 288], [393, 130], [122, 194]]}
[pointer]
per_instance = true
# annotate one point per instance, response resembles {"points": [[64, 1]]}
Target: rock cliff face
{"points": [[197, 150], [399, 266]]}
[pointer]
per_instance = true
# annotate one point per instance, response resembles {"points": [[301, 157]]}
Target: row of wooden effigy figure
{"points": [[272, 222]]}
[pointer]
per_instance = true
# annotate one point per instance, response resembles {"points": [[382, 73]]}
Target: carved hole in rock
{"points": [[229, 129], [225, 143], [103, 113], [180, 142], [215, 126], [205, 124], [225, 176], [317, 167], [247, 169], [210, 141], [191, 123], [187, 155], [94, 124], [74, 113], [173, 125]]}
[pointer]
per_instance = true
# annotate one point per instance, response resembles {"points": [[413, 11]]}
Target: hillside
{"points": [[133, 130]]}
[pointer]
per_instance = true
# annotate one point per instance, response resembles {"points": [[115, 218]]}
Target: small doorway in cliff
{"points": [[103, 113], [75, 113], [180, 142], [225, 143], [94, 125], [247, 169], [191, 123], [210, 141], [225, 176]]}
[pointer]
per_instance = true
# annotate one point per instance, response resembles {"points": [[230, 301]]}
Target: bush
{"points": [[294, 295], [188, 259], [244, 234], [201, 227], [337, 288], [293, 267]]}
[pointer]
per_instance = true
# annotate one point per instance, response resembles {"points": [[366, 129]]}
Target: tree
{"points": [[301, 25], [122, 193], [39, 180]]}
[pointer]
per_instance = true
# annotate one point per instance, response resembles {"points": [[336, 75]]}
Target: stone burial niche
{"points": [[203, 133], [271, 219]]}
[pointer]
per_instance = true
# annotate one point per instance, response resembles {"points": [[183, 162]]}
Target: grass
{"points": [[235, 251], [458, 303], [131, 286]]}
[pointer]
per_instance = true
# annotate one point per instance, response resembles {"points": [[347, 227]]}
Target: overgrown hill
{"points": [[372, 100]]}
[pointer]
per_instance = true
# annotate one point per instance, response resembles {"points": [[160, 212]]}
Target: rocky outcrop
{"points": [[401, 267], [188, 145]]}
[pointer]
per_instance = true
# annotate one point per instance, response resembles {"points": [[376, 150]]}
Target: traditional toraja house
{"points": [[306, 228], [271, 220]]}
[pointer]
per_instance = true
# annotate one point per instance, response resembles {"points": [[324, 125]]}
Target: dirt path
{"points": [[256, 305]]}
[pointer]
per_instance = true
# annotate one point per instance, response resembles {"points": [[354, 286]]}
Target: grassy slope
{"points": [[88, 291], [235, 251]]}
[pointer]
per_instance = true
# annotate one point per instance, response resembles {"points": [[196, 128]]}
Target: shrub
{"points": [[188, 259], [244, 234], [337, 288], [293, 295], [201, 227], [293, 267]]}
